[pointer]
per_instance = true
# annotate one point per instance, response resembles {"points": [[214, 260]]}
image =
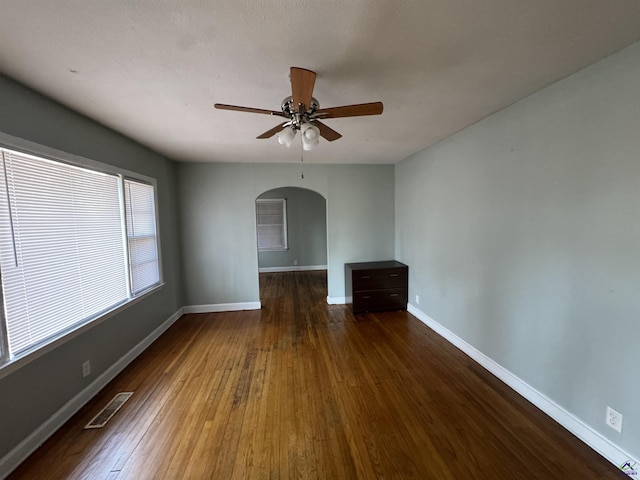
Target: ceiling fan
{"points": [[303, 112]]}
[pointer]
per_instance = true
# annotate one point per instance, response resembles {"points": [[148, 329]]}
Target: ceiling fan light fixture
{"points": [[308, 146], [310, 136], [286, 136], [310, 132]]}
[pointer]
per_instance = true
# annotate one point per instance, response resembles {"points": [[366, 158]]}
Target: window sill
{"points": [[16, 363]]}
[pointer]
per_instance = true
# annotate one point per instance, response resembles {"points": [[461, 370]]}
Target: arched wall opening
{"points": [[306, 228]]}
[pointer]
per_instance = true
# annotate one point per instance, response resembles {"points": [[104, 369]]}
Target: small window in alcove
{"points": [[271, 216]]}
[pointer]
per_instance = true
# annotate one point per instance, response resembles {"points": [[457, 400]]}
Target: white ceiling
{"points": [[153, 69]]}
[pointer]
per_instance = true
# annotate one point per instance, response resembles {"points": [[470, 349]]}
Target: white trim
{"points": [[577, 427], [336, 300], [25, 448], [293, 268], [222, 307]]}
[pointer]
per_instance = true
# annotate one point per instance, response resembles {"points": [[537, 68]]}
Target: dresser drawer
{"points": [[388, 299], [385, 278]]}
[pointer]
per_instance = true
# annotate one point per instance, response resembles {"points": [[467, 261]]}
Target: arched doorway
{"points": [[303, 225]]}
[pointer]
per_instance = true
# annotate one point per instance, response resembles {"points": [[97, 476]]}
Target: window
{"points": [[67, 255], [141, 235], [271, 221]]}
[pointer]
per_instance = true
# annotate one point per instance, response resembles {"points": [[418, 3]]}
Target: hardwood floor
{"points": [[301, 389]]}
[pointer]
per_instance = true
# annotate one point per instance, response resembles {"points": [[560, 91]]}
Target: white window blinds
{"points": [[271, 224], [61, 253], [141, 235], [74, 243]]}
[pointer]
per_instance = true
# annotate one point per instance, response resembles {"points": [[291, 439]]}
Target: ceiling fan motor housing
{"points": [[298, 119]]}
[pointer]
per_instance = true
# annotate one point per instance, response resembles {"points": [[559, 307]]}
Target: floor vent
{"points": [[101, 419]]}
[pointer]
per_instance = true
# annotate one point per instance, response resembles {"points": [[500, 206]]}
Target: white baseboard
{"points": [[25, 448], [336, 300], [584, 432], [292, 268], [222, 307]]}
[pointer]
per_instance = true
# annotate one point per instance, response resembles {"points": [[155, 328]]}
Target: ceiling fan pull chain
{"points": [[301, 157]]}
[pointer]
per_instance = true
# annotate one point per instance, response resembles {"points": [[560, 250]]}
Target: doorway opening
{"points": [[291, 226]]}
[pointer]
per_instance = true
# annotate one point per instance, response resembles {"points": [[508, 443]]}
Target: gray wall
{"points": [[219, 229], [523, 238], [32, 394], [306, 230]]}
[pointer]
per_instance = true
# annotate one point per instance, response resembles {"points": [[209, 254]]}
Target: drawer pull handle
{"points": [[393, 274], [366, 276], [393, 295], [366, 296]]}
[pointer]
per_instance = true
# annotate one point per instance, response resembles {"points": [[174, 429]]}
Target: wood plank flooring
{"points": [[304, 390]]}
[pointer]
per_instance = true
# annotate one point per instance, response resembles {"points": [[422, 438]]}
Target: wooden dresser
{"points": [[372, 286]]}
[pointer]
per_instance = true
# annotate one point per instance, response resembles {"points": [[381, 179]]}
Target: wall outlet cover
{"points": [[614, 419]]}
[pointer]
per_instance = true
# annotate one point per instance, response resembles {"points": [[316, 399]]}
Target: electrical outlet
{"points": [[86, 368], [295, 262], [614, 419], [417, 299]]}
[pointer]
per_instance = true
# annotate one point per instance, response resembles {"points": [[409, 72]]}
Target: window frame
{"points": [[128, 239], [8, 363], [283, 203]]}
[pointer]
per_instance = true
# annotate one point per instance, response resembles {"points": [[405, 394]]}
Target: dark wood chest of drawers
{"points": [[373, 286]]}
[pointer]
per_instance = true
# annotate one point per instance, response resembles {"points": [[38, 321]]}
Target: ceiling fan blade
{"points": [[270, 133], [222, 106], [374, 108], [327, 133], [302, 82]]}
